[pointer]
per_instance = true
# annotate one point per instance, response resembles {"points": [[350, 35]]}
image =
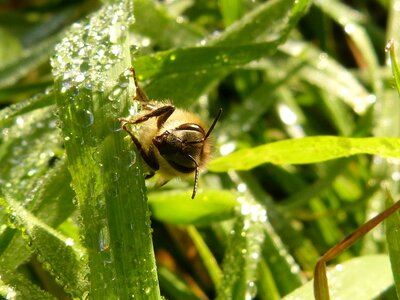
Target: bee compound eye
{"points": [[181, 162], [191, 127]]}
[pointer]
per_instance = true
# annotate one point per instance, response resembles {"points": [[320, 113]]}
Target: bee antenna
{"points": [[196, 176], [196, 181], [213, 124]]}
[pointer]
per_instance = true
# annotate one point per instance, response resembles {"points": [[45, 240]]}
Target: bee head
{"points": [[183, 147]]}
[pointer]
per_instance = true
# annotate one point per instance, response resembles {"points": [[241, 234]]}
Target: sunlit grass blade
{"points": [[53, 193], [37, 126], [20, 286], [9, 114], [284, 247], [390, 47], [244, 247], [348, 284], [92, 89], [306, 150], [50, 245], [393, 242], [321, 289]]}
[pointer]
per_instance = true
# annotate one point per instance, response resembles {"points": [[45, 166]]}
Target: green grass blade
{"points": [[209, 206], [346, 282], [231, 10], [349, 20], [59, 254], [329, 75], [10, 47], [208, 258], [90, 69], [149, 13], [37, 127], [393, 223], [173, 286], [21, 287], [8, 115], [284, 14], [306, 150], [284, 247], [390, 47], [243, 252], [393, 242], [52, 193], [278, 18], [200, 59], [30, 58]]}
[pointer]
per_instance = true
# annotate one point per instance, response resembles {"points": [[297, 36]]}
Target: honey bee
{"points": [[171, 141]]}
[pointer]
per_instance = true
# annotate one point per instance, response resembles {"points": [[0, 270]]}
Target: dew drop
{"points": [[251, 290], [115, 93], [84, 118], [69, 242], [147, 290], [65, 86], [79, 78], [132, 158], [227, 148], [11, 293], [104, 239], [32, 172]]}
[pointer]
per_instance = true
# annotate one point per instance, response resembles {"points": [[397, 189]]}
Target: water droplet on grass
{"points": [[104, 239], [84, 118]]}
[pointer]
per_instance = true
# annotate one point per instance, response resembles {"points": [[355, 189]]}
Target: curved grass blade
{"points": [[393, 223], [321, 290], [305, 151], [361, 278]]}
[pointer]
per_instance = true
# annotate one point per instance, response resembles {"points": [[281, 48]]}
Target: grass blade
{"points": [[90, 75], [306, 150]]}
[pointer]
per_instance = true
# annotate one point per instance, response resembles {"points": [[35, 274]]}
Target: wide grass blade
{"points": [[348, 284], [305, 151], [91, 88]]}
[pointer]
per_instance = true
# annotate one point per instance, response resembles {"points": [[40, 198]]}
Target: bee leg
{"points": [[162, 113], [140, 94], [149, 158]]}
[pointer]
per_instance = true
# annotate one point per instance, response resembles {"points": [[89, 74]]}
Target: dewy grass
{"points": [[90, 73]]}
